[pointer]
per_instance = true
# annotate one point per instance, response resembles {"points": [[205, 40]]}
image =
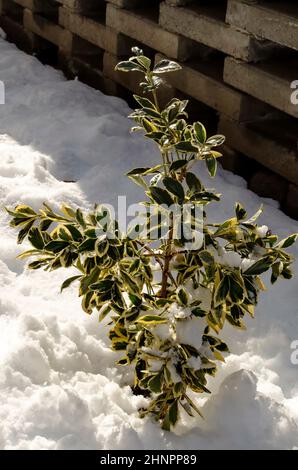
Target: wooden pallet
{"points": [[271, 142], [239, 60], [95, 32], [205, 23], [12, 22], [270, 81], [275, 21], [202, 79]]}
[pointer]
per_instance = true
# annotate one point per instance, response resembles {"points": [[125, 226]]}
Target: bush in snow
{"points": [[165, 298]]}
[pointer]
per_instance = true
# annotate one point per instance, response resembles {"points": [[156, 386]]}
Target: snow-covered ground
{"points": [[59, 387]]}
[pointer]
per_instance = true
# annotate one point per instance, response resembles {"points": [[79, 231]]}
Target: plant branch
{"points": [[168, 257], [157, 257]]}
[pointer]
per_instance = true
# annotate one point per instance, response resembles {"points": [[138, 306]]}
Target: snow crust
{"points": [[59, 387]]}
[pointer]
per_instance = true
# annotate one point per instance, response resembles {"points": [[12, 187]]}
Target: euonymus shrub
{"points": [[165, 299]]}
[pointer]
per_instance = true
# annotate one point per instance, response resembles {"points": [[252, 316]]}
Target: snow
{"points": [[262, 231], [59, 386]]}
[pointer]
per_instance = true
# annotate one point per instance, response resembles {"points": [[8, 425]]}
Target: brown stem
{"points": [[155, 255], [168, 257], [157, 258], [155, 100]]}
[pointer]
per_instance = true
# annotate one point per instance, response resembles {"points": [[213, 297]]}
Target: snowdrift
{"points": [[59, 387]]}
